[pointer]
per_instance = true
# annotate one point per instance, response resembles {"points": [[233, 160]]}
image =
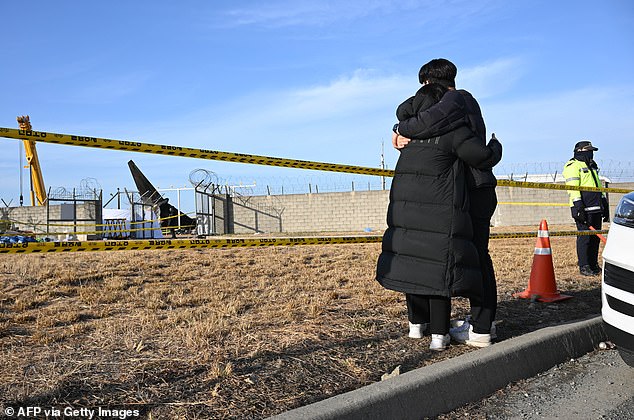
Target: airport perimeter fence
{"points": [[134, 146]]}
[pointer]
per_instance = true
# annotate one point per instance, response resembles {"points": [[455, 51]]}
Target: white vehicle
{"points": [[617, 285]]}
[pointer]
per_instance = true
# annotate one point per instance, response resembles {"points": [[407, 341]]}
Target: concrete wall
{"points": [[336, 212], [354, 211], [358, 210], [558, 213], [259, 215], [514, 209], [33, 219]]}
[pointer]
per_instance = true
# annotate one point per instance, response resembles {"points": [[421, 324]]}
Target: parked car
{"points": [[617, 285]]}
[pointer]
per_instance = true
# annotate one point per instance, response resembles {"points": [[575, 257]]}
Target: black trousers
{"points": [[588, 245], [483, 202], [435, 310]]}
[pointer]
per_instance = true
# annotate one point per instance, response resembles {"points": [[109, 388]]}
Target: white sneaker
{"points": [[439, 342], [464, 324], [417, 330], [464, 334]]}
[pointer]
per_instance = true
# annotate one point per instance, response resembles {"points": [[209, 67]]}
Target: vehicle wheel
{"points": [[627, 357]]}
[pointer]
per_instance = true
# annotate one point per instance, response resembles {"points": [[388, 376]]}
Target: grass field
{"points": [[234, 333]]}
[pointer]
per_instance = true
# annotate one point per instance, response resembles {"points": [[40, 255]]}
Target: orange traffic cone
{"points": [[541, 284]]}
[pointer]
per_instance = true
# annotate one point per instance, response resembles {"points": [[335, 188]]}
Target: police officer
{"points": [[588, 207]]}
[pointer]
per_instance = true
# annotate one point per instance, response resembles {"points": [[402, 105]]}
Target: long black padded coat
{"points": [[427, 248]]}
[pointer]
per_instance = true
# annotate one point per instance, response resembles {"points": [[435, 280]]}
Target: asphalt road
{"points": [[598, 385]]}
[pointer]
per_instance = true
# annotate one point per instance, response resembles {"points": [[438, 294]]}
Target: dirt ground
{"points": [[234, 333]]}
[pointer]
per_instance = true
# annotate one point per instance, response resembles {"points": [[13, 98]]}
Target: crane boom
{"points": [[38, 190]]}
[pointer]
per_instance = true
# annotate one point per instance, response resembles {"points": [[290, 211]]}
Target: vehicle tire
{"points": [[627, 357]]}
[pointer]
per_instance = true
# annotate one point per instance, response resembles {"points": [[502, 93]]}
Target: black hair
{"points": [[426, 96], [435, 90], [439, 70]]}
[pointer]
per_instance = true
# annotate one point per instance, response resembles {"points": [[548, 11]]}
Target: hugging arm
{"points": [[405, 110], [440, 118], [477, 155]]}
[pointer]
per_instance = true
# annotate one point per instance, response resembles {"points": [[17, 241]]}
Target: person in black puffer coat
{"points": [[455, 109], [427, 251]]}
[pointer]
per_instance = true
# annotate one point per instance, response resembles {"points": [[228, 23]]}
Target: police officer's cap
{"points": [[584, 146]]}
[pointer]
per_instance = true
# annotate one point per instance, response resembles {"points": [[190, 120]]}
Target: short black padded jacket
{"points": [[427, 248], [449, 113]]}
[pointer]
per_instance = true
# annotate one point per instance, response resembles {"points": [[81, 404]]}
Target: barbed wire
{"points": [[615, 171], [89, 189], [282, 185]]}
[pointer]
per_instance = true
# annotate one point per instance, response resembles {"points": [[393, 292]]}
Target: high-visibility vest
{"points": [[578, 173]]}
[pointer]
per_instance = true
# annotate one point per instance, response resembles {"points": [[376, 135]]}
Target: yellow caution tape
{"points": [[548, 186], [520, 203], [153, 244], [134, 146], [105, 233], [132, 245], [533, 234], [113, 230], [93, 224]]}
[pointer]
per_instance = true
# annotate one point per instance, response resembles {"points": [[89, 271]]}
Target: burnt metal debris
{"points": [[168, 214]]}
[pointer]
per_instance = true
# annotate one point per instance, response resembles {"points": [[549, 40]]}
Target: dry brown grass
{"points": [[236, 333]]}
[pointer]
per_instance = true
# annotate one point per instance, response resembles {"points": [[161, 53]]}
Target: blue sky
{"points": [[312, 80]]}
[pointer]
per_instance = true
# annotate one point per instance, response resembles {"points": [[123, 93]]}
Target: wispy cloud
{"points": [[349, 96], [276, 14], [109, 88], [364, 90], [491, 78], [342, 119], [286, 13], [360, 104], [354, 109]]}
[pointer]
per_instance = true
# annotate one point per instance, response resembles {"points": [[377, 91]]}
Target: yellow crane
{"points": [[37, 181]]}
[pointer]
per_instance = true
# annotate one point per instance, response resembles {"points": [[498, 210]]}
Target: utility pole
{"points": [[382, 165]]}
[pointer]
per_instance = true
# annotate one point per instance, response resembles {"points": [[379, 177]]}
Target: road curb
{"points": [[447, 385]]}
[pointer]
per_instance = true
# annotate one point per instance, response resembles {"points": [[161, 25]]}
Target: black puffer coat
{"points": [[427, 248]]}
